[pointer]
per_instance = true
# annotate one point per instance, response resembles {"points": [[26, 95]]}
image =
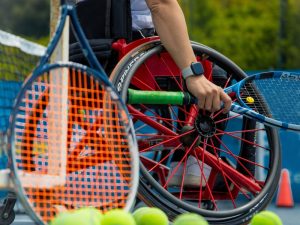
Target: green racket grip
{"points": [[160, 97]]}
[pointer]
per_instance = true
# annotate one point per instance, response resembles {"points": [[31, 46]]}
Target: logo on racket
{"points": [[289, 76]]}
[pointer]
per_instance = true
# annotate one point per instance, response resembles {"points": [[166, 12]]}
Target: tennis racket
{"points": [[279, 91], [72, 142]]}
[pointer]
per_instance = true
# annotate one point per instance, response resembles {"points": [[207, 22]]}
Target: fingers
{"points": [[226, 101], [210, 96], [212, 99], [209, 102], [216, 102], [201, 100], [209, 99]]}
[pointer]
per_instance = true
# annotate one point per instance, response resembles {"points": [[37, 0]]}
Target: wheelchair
{"points": [[243, 155]]}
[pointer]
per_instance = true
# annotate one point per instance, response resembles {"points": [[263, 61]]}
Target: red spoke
{"points": [[226, 176], [153, 135], [146, 161], [167, 156], [241, 131], [234, 175], [244, 140], [246, 160], [157, 83], [169, 140], [179, 86], [205, 180], [233, 155], [174, 113], [202, 160], [221, 111], [183, 176], [152, 123], [173, 76], [227, 82], [176, 168], [227, 118], [222, 171], [143, 83], [240, 158], [157, 116], [238, 177]]}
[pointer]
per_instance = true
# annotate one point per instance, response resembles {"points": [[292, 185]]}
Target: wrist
{"points": [[195, 69]]}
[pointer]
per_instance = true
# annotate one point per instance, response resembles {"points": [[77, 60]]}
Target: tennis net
{"points": [[18, 57]]}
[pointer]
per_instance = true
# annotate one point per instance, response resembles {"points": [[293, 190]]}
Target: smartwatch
{"points": [[195, 69]]}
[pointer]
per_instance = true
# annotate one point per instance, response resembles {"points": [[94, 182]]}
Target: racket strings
{"points": [[281, 97], [72, 145], [253, 99]]}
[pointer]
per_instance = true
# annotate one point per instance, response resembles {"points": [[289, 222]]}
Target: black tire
{"points": [[154, 194]]}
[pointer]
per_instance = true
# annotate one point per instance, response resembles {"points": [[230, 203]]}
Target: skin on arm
{"points": [[170, 25]]}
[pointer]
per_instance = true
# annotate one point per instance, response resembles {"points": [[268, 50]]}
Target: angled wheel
{"points": [[236, 160]]}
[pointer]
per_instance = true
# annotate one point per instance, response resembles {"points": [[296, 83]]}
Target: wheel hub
{"points": [[205, 126]]}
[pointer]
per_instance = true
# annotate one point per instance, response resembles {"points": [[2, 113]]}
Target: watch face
{"points": [[197, 68]]}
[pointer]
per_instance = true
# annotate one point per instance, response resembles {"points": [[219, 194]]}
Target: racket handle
{"points": [[160, 97]]}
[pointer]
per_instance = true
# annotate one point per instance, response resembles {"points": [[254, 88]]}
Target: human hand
{"points": [[210, 96]]}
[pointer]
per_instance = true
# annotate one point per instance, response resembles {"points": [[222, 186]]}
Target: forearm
{"points": [[170, 25]]}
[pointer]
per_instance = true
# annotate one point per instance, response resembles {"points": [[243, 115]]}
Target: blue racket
{"points": [[72, 142], [279, 91]]}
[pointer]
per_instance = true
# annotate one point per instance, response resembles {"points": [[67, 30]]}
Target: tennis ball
{"points": [[92, 215], [68, 218], [190, 219], [83, 216], [150, 216], [266, 218], [117, 217], [60, 219]]}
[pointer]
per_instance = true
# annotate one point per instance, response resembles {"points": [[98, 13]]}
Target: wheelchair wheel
{"points": [[238, 160]]}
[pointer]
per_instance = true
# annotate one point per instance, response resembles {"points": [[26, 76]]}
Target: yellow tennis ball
{"points": [[60, 219], [92, 215], [83, 216], [69, 218], [150, 216], [190, 219], [117, 217], [266, 218]]}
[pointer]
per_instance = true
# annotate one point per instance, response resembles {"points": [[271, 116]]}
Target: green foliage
{"points": [[247, 31], [292, 43], [25, 17]]}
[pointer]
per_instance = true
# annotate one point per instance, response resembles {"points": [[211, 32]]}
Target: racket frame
{"points": [[243, 109], [14, 181]]}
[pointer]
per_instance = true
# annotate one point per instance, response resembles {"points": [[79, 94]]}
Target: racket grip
{"points": [[160, 97], [189, 99]]}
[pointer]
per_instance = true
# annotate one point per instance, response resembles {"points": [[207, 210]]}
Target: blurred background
{"points": [[257, 35], [29, 19]]}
